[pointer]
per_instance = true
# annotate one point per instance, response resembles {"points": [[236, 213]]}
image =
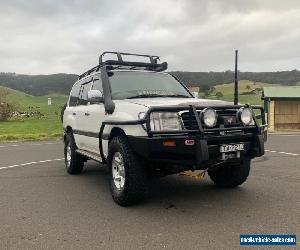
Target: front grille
{"points": [[226, 118]]}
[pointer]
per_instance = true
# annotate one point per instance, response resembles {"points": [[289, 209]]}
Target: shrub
{"points": [[6, 108]]}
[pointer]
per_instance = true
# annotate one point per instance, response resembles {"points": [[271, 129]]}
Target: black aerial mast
{"points": [[236, 91]]}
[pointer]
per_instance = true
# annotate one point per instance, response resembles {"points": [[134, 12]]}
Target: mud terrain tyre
{"points": [[127, 177], [231, 175], [74, 162]]}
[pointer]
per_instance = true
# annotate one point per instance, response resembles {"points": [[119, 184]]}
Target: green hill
{"points": [[215, 78], [249, 91], [35, 120], [28, 102], [40, 85]]}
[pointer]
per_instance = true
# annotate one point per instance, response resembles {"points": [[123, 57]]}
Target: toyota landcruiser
{"points": [[142, 122]]}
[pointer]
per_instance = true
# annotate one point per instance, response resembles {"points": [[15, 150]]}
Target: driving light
{"points": [[209, 117], [245, 115], [160, 121]]}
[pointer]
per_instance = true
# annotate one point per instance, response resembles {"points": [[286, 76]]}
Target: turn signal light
{"points": [[169, 143]]}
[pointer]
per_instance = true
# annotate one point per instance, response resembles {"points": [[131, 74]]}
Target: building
{"points": [[282, 105]]}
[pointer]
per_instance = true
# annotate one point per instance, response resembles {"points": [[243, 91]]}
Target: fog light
{"points": [[209, 117], [245, 115]]}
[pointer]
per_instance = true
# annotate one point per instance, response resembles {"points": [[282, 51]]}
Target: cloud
{"points": [[40, 37]]}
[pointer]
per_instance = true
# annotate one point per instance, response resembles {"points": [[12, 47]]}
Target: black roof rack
{"points": [[152, 65]]}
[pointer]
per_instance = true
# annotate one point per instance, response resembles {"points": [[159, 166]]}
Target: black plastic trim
{"points": [[86, 133], [201, 154]]}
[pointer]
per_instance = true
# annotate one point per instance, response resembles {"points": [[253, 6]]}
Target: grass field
{"points": [[228, 89], [33, 128]]}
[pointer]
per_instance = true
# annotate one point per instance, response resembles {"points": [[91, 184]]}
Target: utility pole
{"points": [[236, 90]]}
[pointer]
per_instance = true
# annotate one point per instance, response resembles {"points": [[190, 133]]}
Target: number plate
{"points": [[231, 147]]}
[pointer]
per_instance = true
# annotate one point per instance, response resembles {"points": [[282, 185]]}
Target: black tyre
{"points": [[74, 162], [265, 136], [127, 177], [230, 175]]}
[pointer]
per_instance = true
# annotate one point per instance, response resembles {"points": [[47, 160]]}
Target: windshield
{"points": [[145, 84]]}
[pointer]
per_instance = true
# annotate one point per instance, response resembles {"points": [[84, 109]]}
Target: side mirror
{"points": [[95, 96]]}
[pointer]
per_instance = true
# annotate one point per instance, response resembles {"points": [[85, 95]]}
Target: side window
{"points": [[74, 94], [85, 87], [97, 83]]}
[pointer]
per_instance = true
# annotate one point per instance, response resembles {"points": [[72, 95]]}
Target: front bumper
{"points": [[194, 150], [204, 151]]}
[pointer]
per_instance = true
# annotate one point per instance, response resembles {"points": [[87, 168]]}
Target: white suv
{"points": [[144, 123]]}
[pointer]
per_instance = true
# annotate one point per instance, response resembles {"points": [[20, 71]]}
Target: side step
{"points": [[89, 155]]}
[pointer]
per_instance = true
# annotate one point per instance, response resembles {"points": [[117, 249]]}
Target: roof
{"points": [[281, 92]]}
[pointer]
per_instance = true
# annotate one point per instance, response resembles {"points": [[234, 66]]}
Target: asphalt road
{"points": [[42, 207]]}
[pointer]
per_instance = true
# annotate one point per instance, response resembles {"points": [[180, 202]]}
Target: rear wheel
{"points": [[74, 162], [127, 175], [230, 175]]}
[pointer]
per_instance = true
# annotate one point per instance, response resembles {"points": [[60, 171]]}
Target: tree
{"points": [[207, 89], [219, 95], [212, 90]]}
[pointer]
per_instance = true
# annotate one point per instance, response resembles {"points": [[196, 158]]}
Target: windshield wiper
{"points": [[143, 96], [157, 95], [183, 96]]}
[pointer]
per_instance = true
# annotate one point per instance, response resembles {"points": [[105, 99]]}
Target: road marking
{"points": [[25, 144], [30, 163], [281, 152], [288, 153], [287, 135]]}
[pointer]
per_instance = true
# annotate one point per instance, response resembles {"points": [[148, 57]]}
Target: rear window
{"points": [[74, 94]]}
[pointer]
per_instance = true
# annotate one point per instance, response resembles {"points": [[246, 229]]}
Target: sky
{"points": [[67, 36]]}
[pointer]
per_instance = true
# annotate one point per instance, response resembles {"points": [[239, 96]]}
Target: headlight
{"points": [[245, 115], [209, 117], [160, 121]]}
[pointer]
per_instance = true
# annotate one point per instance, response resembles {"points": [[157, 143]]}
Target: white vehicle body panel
{"points": [[90, 117]]}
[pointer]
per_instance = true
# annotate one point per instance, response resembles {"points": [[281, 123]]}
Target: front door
{"points": [[81, 130], [95, 115]]}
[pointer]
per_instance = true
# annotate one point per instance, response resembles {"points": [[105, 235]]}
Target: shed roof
{"points": [[281, 92]]}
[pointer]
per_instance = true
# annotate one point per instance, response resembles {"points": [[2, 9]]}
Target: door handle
{"points": [[86, 114]]}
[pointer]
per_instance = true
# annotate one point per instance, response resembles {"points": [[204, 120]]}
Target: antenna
{"points": [[236, 90]]}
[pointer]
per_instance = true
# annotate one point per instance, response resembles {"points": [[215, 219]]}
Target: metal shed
{"points": [[283, 107]]}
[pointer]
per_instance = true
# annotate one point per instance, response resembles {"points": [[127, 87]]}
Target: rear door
{"points": [[70, 114]]}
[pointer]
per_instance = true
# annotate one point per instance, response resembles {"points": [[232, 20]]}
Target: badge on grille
{"points": [[229, 120]]}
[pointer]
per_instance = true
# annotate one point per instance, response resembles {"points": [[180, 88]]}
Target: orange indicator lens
{"points": [[169, 143]]}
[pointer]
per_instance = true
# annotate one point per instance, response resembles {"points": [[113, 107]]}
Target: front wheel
{"points": [[230, 175], [127, 176]]}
